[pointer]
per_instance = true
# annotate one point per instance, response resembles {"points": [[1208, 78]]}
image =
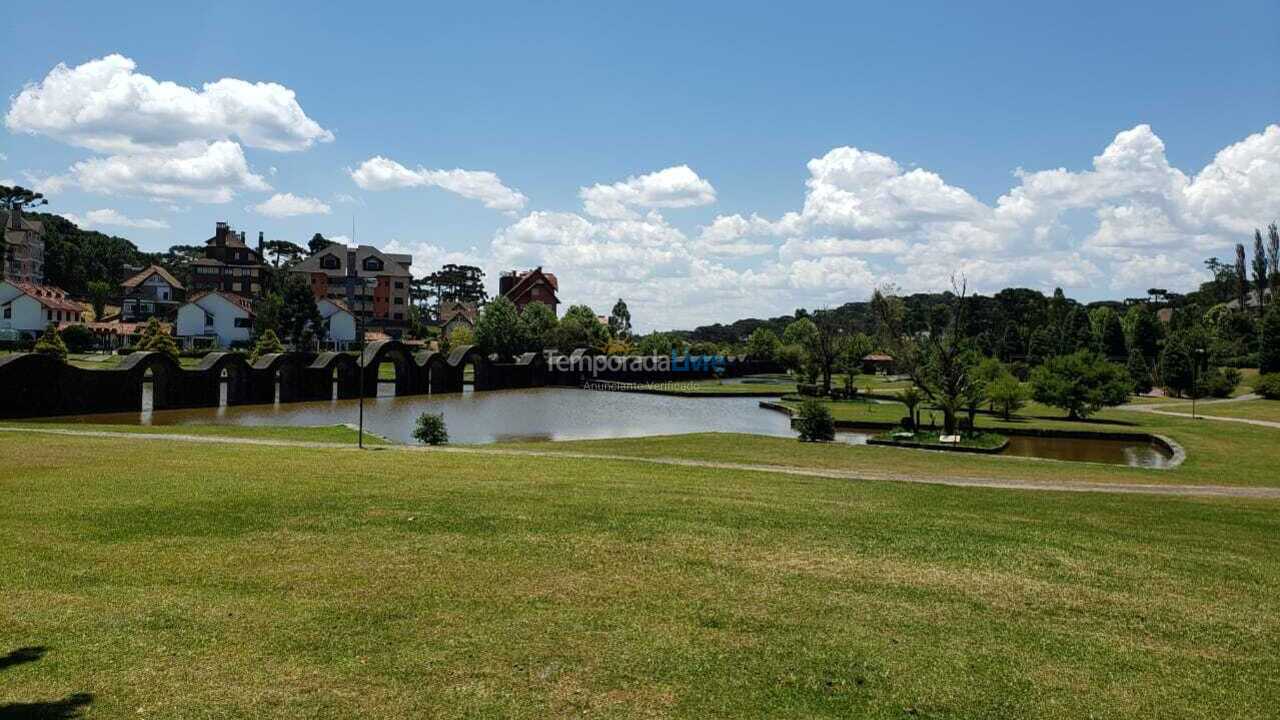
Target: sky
{"points": [[703, 161]]}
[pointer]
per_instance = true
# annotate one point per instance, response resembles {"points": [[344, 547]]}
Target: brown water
{"points": [[573, 414]]}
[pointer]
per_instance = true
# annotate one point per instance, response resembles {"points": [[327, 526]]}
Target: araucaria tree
{"points": [[1081, 383]]}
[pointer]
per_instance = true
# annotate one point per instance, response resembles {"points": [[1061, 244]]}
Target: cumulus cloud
{"points": [[674, 187], [1128, 220], [107, 106], [109, 217], [282, 205], [198, 172], [380, 173]]}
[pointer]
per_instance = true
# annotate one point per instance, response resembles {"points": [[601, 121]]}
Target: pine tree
{"points": [[50, 343], [267, 344], [1176, 370], [1140, 372]]}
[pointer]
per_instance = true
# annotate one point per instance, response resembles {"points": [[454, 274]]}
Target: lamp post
{"points": [[363, 284]]}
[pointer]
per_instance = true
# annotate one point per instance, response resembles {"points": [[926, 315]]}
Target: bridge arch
{"points": [[333, 375], [400, 356], [225, 369], [162, 371]]}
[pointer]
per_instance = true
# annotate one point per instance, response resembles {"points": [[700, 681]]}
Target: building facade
{"points": [[215, 319], [28, 309], [23, 250], [529, 286], [379, 293], [229, 265], [154, 292]]}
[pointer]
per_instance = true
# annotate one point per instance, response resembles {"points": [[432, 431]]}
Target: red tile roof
{"points": [[51, 297], [240, 302]]}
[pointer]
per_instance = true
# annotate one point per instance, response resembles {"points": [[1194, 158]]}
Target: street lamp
{"points": [[363, 284], [1195, 380]]}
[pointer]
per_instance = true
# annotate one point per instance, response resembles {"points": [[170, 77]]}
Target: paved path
{"points": [[1164, 409], [1011, 484]]}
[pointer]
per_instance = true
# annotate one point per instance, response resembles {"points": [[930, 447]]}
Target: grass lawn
{"points": [[1252, 409], [183, 580]]}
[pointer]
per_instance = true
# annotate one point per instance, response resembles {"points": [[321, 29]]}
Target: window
{"points": [[243, 322], [8, 312], [329, 262], [399, 284], [399, 300], [399, 316], [373, 264]]}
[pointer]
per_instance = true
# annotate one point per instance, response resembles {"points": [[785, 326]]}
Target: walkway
{"points": [[1163, 410], [1055, 486]]}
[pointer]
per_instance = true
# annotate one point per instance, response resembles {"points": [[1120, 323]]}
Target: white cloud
{"points": [[106, 106], [109, 217], [282, 205], [674, 187], [198, 172], [380, 173]]}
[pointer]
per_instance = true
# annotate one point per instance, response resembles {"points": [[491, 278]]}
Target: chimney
{"points": [[220, 231], [259, 244]]}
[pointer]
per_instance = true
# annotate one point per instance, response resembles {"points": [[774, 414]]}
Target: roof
{"points": [[455, 309], [50, 297], [115, 328], [240, 302], [528, 278], [392, 263], [15, 222], [141, 277], [877, 357], [336, 303]]}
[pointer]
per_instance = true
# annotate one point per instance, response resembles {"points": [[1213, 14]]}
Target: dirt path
{"points": [[1055, 486], [1165, 410]]}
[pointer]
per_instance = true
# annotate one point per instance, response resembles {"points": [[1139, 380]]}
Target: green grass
{"points": [[216, 581], [1251, 409], [318, 433]]}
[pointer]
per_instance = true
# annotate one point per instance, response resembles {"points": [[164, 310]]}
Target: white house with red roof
{"points": [[215, 318], [339, 323], [28, 309]]}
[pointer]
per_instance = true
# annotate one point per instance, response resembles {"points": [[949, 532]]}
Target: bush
{"points": [[1219, 383], [1268, 386], [78, 338], [268, 344], [431, 429], [814, 422], [1007, 395], [1081, 383], [809, 389], [50, 343]]}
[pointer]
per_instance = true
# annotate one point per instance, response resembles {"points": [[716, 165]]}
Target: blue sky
{"points": [[918, 118]]}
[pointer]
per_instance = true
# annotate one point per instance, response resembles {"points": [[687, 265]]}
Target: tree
{"points": [[855, 348], [1269, 339], [763, 344], [268, 344], [579, 328], [1139, 371], [267, 313], [620, 320], [1177, 372], [50, 343], [1007, 395], [317, 243], [1261, 276], [1273, 252], [300, 321], [499, 329], [154, 338], [911, 398], [539, 325], [455, 283], [1108, 332], [20, 198], [99, 293], [826, 345], [283, 250], [1081, 383], [1242, 278], [1144, 333], [78, 338]]}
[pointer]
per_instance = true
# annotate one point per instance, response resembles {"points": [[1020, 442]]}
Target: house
{"points": [[28, 308], [23, 260], [455, 314], [215, 318], [382, 303], [154, 292], [529, 286], [339, 323], [229, 265], [876, 363]]}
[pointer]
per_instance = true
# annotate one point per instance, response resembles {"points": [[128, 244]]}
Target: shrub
{"points": [[50, 343], [78, 338], [431, 429], [1268, 386], [1007, 395], [814, 422], [1219, 382], [267, 344], [809, 389]]}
